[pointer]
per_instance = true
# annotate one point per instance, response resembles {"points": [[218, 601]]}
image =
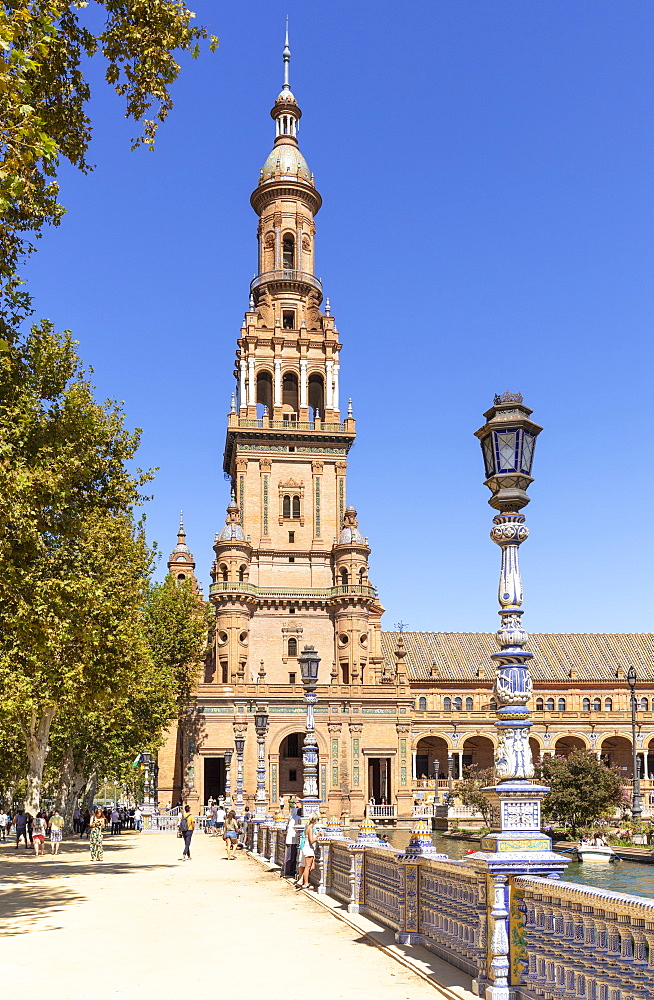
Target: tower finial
{"points": [[181, 522], [286, 55]]}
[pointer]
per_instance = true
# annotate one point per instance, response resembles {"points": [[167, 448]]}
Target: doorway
{"points": [[379, 780], [214, 777]]}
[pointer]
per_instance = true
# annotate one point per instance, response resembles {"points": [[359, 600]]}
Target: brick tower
{"points": [[291, 564]]}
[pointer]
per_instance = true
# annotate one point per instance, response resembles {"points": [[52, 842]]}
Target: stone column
{"points": [[277, 398], [329, 405], [252, 395], [303, 383], [242, 390]]}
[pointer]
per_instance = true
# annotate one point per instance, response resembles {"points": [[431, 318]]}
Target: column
{"points": [[414, 755], [277, 396], [303, 383], [337, 368], [278, 248], [459, 754], [252, 396], [242, 392], [329, 386]]}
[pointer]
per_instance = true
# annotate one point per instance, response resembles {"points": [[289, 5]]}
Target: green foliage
{"points": [[469, 790], [75, 564], [583, 789], [43, 104], [177, 626]]}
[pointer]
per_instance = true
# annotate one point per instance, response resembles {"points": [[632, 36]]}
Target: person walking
{"points": [[230, 835], [56, 831], [290, 855], [38, 834], [20, 826], [97, 824], [220, 820], [138, 820], [308, 852], [186, 828], [4, 823], [115, 821]]}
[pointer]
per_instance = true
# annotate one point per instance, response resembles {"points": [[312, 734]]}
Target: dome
{"points": [[182, 547], [231, 531], [288, 159], [350, 534], [286, 96]]}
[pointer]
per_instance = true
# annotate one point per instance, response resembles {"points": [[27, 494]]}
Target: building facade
{"points": [[291, 568]]}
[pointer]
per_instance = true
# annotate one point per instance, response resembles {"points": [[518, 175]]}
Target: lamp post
{"points": [[437, 767], [146, 761], [261, 727], [309, 663], [636, 801], [228, 779], [239, 743], [515, 843], [450, 769], [260, 804]]}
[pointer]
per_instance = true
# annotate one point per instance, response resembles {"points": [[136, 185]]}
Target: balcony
{"points": [[267, 423], [286, 277], [237, 587]]}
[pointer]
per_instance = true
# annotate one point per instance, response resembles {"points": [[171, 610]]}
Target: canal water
{"points": [[625, 876]]}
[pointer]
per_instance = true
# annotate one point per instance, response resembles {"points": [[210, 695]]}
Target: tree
{"points": [[43, 100], [469, 790], [582, 789], [177, 625], [75, 565]]}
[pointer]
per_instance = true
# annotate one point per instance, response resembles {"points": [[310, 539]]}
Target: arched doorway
{"points": [[616, 752], [564, 746], [291, 773], [535, 750], [430, 749], [478, 752]]}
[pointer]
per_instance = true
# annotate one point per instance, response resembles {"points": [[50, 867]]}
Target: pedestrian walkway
{"points": [[142, 923]]}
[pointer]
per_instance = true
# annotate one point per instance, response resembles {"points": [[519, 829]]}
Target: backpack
{"points": [[183, 825]]}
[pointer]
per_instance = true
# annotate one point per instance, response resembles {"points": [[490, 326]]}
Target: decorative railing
{"points": [[381, 812], [565, 942], [423, 811], [284, 274], [238, 587], [576, 941]]}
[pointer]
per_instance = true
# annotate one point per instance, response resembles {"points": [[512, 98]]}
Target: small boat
{"points": [[596, 855]]}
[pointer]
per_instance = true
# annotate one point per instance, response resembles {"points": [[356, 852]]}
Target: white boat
{"points": [[597, 855]]}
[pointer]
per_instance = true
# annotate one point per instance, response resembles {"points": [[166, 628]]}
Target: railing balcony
{"points": [[237, 586], [286, 275], [266, 423], [381, 812]]}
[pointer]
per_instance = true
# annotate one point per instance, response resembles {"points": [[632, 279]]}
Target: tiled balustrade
{"points": [[582, 943]]}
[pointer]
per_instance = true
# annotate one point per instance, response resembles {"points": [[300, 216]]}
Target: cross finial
{"points": [[286, 55], [181, 522]]}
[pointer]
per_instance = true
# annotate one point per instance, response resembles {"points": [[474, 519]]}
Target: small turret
{"points": [[180, 561], [233, 551]]}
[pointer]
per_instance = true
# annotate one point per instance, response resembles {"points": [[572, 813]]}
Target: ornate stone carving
{"points": [[513, 754]]}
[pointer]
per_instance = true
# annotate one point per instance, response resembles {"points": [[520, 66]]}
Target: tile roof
{"points": [[466, 655]]}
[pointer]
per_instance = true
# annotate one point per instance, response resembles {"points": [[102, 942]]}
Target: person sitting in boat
{"points": [[599, 841]]}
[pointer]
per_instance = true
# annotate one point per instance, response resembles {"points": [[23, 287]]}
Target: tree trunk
{"points": [[36, 737], [72, 781], [90, 790]]}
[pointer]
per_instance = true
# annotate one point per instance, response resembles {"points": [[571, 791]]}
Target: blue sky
{"points": [[486, 170]]}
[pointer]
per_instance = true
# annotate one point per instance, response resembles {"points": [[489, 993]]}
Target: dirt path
{"points": [[142, 924]]}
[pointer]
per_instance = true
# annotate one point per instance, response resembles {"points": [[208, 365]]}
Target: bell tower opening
{"points": [[317, 395], [288, 257]]}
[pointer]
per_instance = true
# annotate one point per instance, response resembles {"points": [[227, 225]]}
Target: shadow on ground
{"points": [[32, 894]]}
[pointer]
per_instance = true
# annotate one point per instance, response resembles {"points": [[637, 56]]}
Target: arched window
{"points": [[549, 704], [597, 704], [608, 704], [264, 391], [422, 704], [586, 705], [292, 647], [296, 506], [644, 705], [539, 704], [181, 576], [223, 572], [242, 573], [561, 704], [290, 394], [468, 704], [458, 704], [317, 395], [286, 506], [447, 704], [288, 245], [343, 578], [362, 577]]}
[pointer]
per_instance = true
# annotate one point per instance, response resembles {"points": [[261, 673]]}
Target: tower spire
{"points": [[286, 55]]}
